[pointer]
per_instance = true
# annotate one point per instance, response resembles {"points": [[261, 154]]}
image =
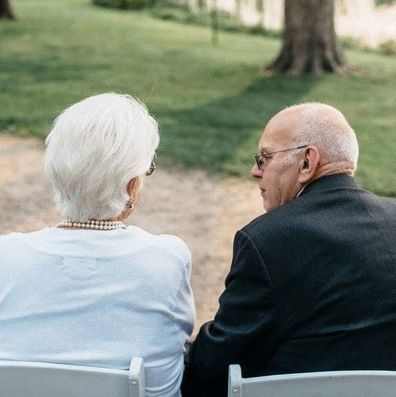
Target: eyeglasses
{"points": [[262, 158], [151, 169]]}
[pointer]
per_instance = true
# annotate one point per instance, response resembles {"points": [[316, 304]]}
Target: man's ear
{"points": [[309, 164]]}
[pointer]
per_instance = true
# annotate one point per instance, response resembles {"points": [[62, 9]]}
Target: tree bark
{"points": [[309, 40], [6, 11]]}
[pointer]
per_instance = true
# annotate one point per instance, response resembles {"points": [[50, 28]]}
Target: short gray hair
{"points": [[325, 127], [94, 149]]}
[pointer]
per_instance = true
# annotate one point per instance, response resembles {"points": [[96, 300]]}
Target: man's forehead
{"points": [[277, 132], [273, 139], [265, 143]]}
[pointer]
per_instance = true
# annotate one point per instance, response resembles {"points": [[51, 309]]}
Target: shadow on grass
{"points": [[222, 135]]}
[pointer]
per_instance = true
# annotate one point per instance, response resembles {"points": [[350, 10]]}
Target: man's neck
{"points": [[336, 167]]}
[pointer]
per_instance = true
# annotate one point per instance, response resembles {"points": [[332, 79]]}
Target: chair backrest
{"points": [[313, 384], [34, 379]]}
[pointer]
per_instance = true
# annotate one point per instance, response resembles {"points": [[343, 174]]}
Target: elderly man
{"points": [[312, 285]]}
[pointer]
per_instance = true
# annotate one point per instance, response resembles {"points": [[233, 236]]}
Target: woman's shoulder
{"points": [[11, 238], [16, 242], [5, 239], [22, 236], [167, 242]]}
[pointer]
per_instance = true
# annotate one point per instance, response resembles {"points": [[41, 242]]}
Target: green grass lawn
{"points": [[210, 101]]}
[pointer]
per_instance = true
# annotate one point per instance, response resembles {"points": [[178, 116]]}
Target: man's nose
{"points": [[255, 172]]}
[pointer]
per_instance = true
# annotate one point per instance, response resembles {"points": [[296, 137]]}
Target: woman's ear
{"points": [[131, 186], [135, 186], [309, 164]]}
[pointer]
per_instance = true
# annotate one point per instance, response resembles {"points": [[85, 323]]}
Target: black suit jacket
{"points": [[312, 287]]}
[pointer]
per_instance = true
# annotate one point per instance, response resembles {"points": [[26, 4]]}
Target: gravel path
{"points": [[203, 210]]}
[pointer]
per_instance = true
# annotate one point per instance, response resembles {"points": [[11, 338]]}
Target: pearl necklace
{"points": [[92, 224]]}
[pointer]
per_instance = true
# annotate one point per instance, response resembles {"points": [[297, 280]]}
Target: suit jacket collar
{"points": [[329, 182]]}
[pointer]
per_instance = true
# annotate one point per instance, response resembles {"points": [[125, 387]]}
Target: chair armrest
{"points": [[137, 384], [234, 381]]}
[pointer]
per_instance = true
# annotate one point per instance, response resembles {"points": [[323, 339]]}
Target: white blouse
{"points": [[98, 298]]}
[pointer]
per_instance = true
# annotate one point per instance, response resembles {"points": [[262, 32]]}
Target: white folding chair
{"points": [[313, 384], [36, 379]]}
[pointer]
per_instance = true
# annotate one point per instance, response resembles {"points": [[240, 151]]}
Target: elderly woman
{"points": [[91, 291]]}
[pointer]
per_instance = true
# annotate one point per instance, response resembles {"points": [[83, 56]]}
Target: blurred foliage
{"points": [[388, 47], [384, 2], [227, 22]]}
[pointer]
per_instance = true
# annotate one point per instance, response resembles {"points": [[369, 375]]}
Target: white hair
{"points": [[95, 148], [326, 128]]}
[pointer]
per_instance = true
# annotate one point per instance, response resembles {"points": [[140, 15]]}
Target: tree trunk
{"points": [[309, 40], [6, 10]]}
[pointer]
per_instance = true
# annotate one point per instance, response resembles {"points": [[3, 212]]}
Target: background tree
{"points": [[124, 4], [6, 10], [214, 23], [309, 40]]}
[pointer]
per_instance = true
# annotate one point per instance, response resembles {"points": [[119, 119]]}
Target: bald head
{"points": [[299, 145], [320, 125]]}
